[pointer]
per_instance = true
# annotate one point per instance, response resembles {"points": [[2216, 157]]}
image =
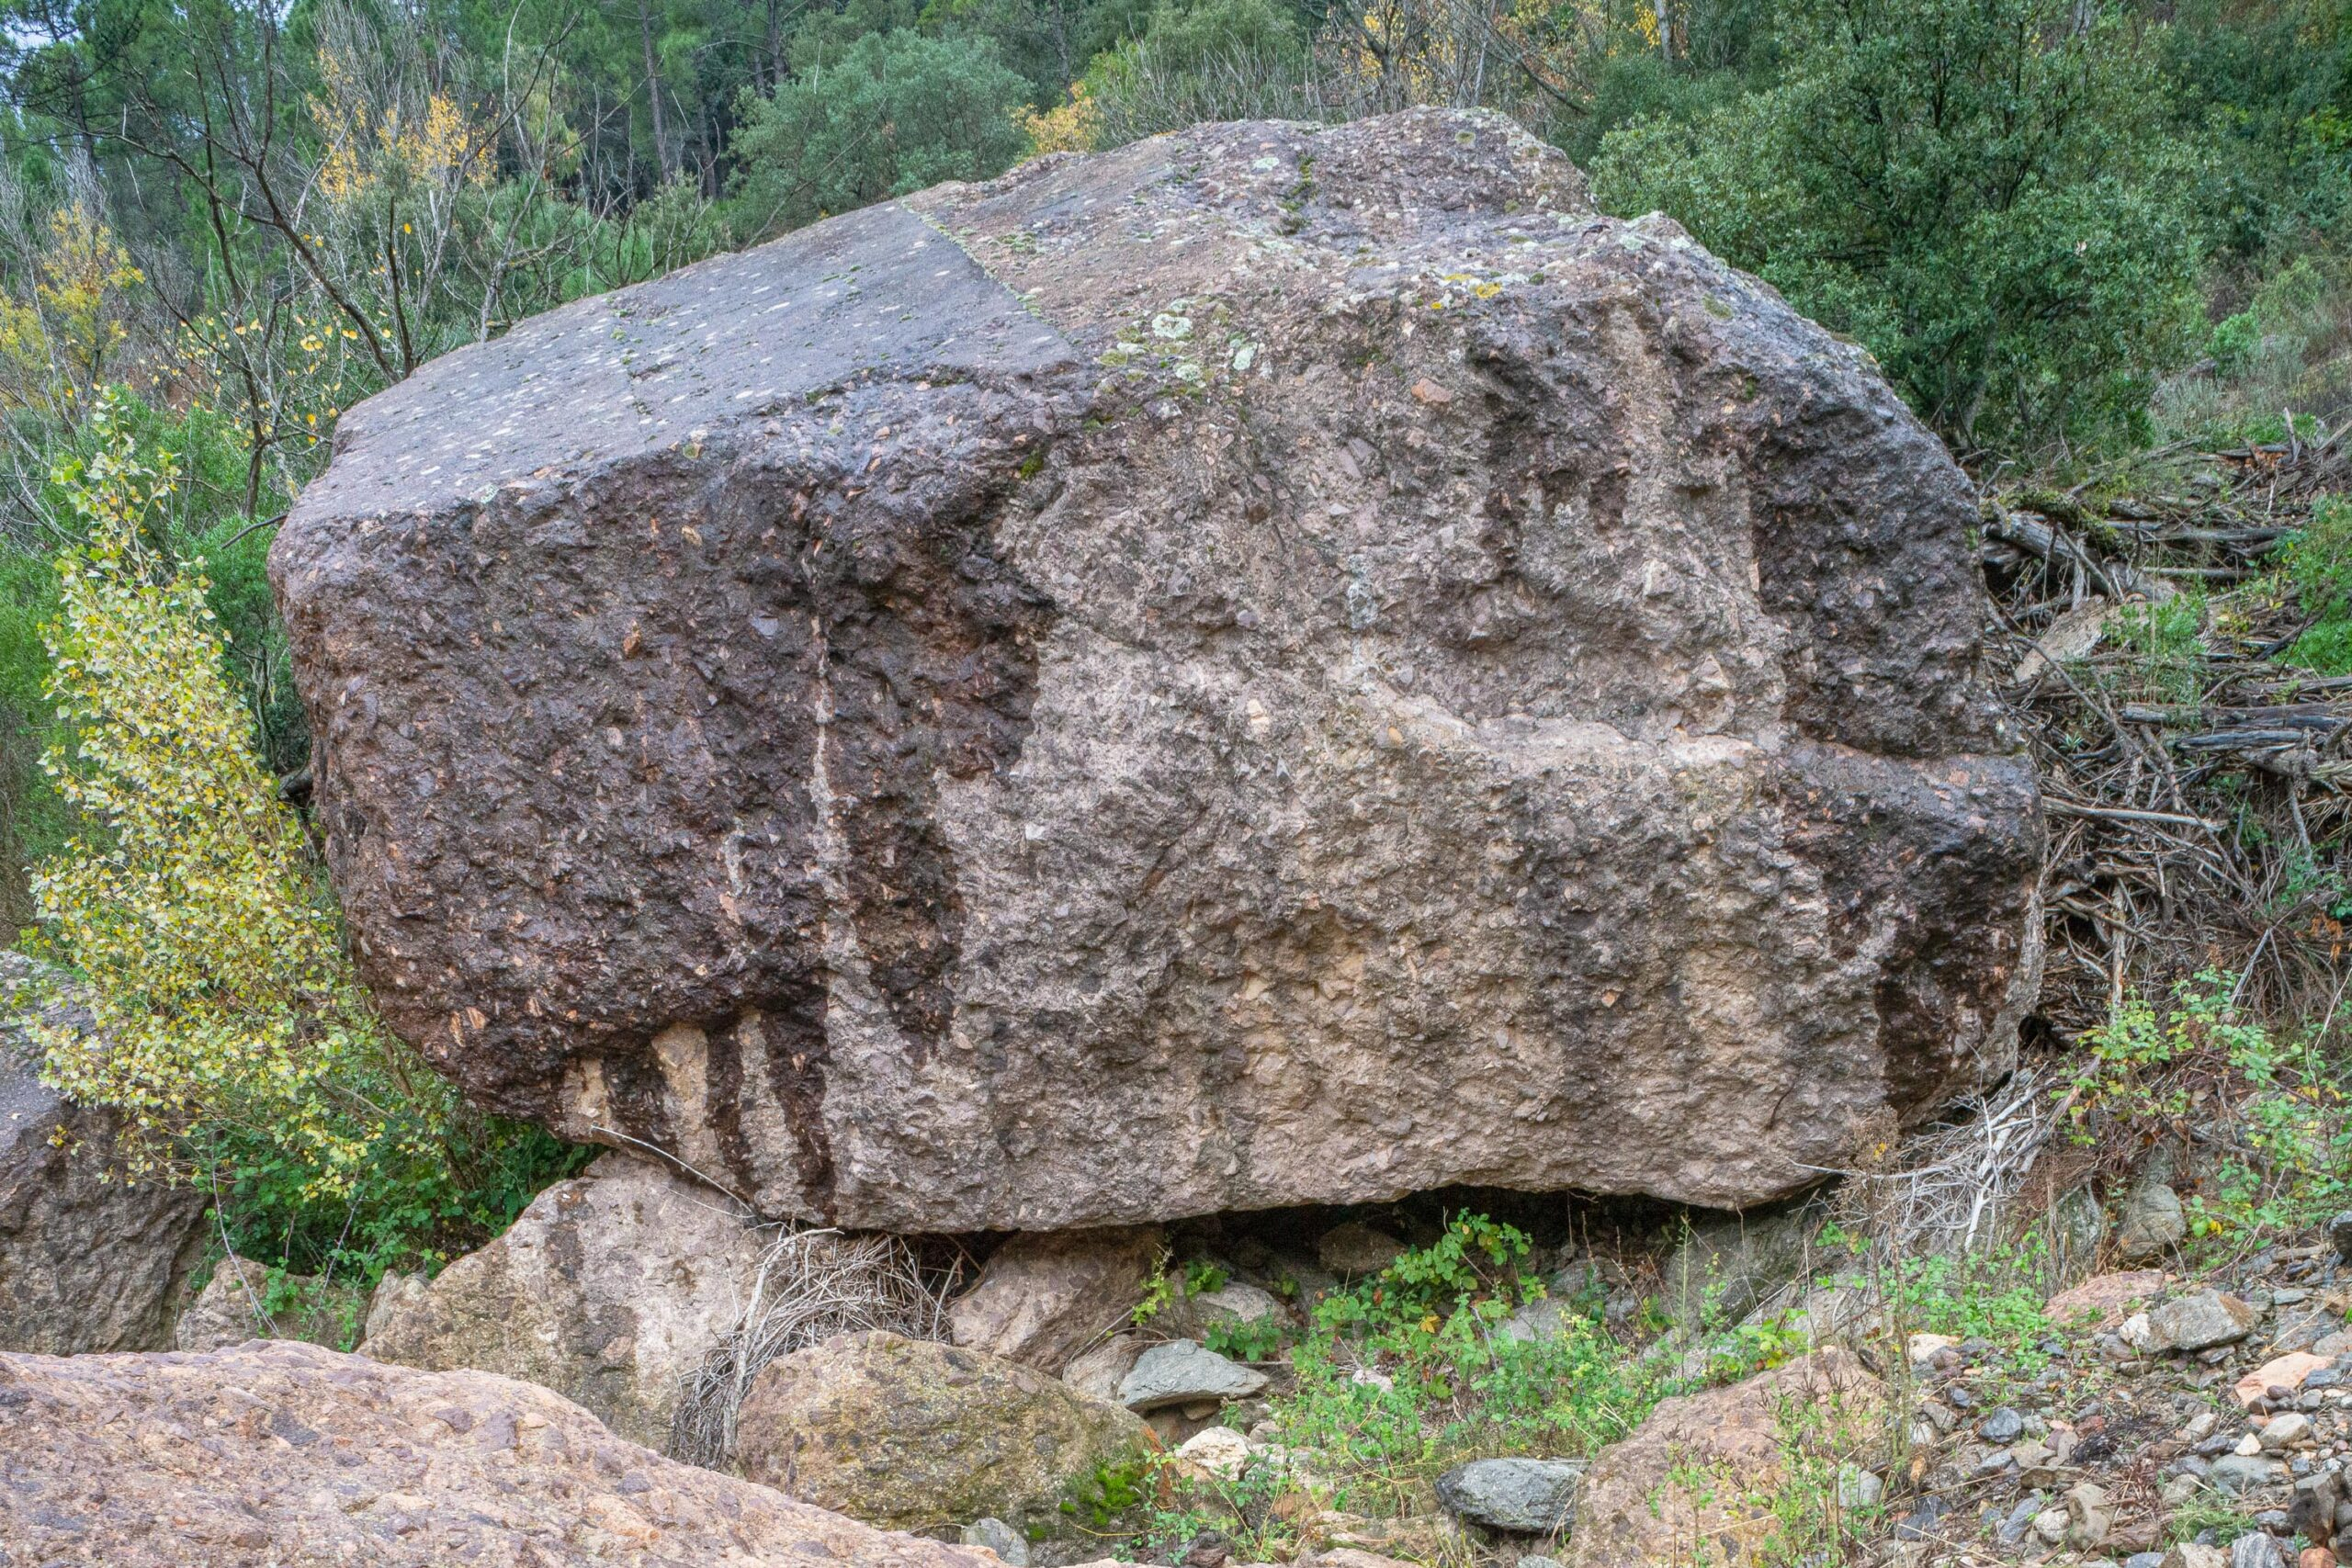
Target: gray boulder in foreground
{"points": [[1276, 665], [1525, 1496]]}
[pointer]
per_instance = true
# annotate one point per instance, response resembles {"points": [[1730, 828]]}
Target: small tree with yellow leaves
{"points": [[226, 1007]]}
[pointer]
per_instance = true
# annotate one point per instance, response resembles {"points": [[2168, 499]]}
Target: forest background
{"points": [[2072, 232]]}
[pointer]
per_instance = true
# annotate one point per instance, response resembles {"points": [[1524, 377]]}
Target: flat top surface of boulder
{"points": [[281, 1453], [1308, 646], [620, 376]]}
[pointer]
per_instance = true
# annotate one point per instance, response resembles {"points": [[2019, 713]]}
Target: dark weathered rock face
{"points": [[1272, 666], [88, 1261], [283, 1453]]}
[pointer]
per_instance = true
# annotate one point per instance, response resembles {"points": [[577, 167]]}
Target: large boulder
{"points": [[611, 1289], [1309, 646], [918, 1435], [89, 1260], [289, 1453]]}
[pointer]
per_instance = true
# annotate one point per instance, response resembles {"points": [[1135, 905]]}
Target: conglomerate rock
{"points": [[278, 1453], [1275, 665], [89, 1260]]}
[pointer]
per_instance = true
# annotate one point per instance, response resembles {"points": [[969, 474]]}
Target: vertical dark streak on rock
{"points": [[798, 1049], [931, 641], [724, 1067]]}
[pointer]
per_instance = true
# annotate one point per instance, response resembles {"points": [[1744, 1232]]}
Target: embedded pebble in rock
{"points": [[2050, 1526], [1526, 1497], [1182, 1372], [1008, 1543]]}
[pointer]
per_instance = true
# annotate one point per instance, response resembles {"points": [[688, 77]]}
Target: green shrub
{"points": [[231, 1034], [1977, 190], [896, 112]]}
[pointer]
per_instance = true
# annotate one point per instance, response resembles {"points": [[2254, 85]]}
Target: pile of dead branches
{"points": [[812, 1285], [2195, 782]]}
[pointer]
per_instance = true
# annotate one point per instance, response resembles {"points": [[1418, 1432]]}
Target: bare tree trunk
{"points": [[653, 91]]}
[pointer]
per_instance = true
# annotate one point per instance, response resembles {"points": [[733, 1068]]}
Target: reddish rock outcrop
{"points": [[282, 1453]]}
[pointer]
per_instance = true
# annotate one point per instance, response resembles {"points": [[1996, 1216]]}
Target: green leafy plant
{"points": [[229, 1030]]}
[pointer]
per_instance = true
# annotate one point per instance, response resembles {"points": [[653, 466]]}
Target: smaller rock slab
{"points": [[237, 1303], [1182, 1372], [2105, 1299], [2202, 1320], [1524, 1496], [1042, 1299], [913, 1434]]}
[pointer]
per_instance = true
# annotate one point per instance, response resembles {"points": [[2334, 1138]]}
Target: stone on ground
{"points": [[611, 1289], [288, 1453], [1042, 1300], [1182, 1372], [2153, 1224], [1103, 648], [1524, 1496], [1217, 1453], [1682, 1484], [2201, 1320], [1724, 1267], [912, 1434], [2090, 1515], [2286, 1371], [2104, 1301], [240, 1303], [1233, 1305], [1009, 1545], [2234, 1473], [88, 1261]]}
